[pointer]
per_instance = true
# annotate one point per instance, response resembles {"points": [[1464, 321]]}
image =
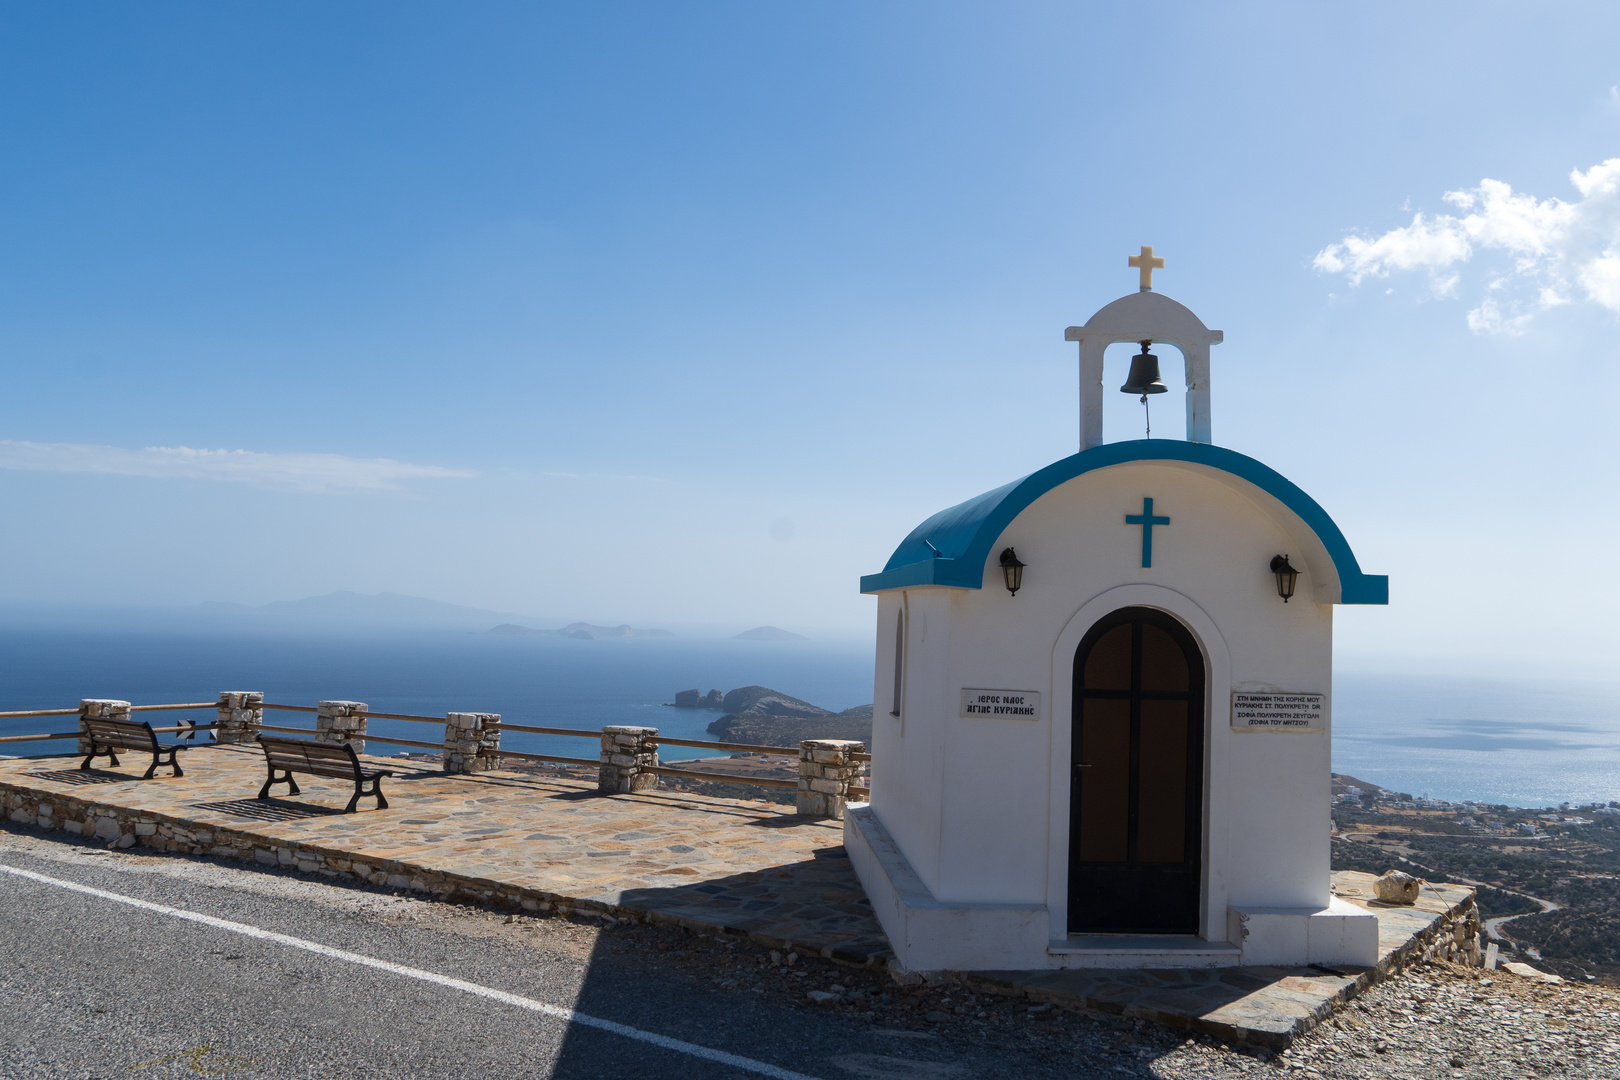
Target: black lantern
{"points": [[1012, 570], [1287, 576]]}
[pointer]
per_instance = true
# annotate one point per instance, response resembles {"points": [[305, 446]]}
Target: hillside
{"points": [[763, 701], [765, 717], [760, 730], [1571, 859]]}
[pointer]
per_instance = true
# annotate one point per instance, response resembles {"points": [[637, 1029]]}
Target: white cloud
{"points": [[308, 473], [1559, 251], [1488, 319]]}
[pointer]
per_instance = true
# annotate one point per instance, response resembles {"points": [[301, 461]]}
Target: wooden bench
{"points": [[108, 736], [337, 760]]}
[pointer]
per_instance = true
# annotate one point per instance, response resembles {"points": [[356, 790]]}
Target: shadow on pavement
{"points": [[708, 982], [269, 810], [794, 1009]]}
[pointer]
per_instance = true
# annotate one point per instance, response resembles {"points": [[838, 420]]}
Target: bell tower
{"points": [[1112, 679], [1144, 317]]}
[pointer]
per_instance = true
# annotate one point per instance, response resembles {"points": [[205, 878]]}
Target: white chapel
{"points": [[1104, 702]]}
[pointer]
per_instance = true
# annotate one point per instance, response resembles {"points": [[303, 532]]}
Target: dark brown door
{"points": [[1136, 793]]}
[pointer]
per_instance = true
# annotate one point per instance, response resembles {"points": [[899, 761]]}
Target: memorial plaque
{"points": [[1278, 712], [1000, 704]]}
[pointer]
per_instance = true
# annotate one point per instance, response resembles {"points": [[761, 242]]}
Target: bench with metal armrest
{"points": [[335, 760], [108, 736]]}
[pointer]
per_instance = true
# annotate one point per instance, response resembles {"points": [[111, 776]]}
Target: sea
{"points": [[1522, 742], [540, 681]]}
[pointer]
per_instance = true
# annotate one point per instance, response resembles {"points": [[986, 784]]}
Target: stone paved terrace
{"points": [[707, 864], [532, 840]]}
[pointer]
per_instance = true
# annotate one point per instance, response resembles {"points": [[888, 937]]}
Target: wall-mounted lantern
{"points": [[1012, 570], [1287, 576]]}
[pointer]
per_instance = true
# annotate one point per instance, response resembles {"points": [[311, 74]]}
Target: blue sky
{"points": [[688, 313]]}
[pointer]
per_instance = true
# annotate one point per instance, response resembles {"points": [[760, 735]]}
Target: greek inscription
{"points": [[1000, 704], [1278, 712]]}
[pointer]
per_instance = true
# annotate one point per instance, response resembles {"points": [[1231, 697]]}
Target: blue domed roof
{"points": [[951, 547]]}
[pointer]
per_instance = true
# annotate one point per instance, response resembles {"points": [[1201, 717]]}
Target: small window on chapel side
{"points": [[899, 660]]}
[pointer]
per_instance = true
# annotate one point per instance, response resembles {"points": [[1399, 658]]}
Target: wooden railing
{"points": [[662, 768], [414, 718], [54, 735]]}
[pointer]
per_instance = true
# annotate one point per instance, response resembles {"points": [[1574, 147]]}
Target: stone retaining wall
{"points": [[1455, 939], [1453, 935], [122, 827]]}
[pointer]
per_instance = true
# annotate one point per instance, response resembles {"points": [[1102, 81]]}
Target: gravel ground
{"points": [[1439, 1020], [1442, 1020], [162, 999]]}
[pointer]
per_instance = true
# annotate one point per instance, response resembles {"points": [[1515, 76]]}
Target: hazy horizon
{"points": [[1525, 741], [294, 612], [296, 620], [688, 315]]}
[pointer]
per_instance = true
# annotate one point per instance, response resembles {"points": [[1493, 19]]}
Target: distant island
{"points": [[768, 633], [583, 631]]}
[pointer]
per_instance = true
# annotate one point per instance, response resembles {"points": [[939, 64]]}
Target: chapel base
{"points": [[928, 934], [1340, 933]]}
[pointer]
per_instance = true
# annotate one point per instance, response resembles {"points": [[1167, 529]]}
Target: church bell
{"points": [[1144, 376]]}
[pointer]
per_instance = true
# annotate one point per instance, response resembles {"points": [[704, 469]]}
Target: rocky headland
{"points": [[696, 699], [760, 716]]}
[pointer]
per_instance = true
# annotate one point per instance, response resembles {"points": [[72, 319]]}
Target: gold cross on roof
{"points": [[1148, 264]]}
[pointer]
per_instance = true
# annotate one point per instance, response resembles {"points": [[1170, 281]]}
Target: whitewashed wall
{"points": [[980, 807]]}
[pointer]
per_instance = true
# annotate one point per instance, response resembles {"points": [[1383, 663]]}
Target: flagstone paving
{"points": [[713, 865], [716, 864]]}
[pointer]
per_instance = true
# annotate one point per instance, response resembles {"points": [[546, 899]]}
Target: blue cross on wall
{"points": [[1147, 519]]}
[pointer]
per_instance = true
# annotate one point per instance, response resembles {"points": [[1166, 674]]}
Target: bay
{"points": [[1523, 742], [541, 681]]}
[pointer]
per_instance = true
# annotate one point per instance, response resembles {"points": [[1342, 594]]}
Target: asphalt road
{"points": [[364, 983]]}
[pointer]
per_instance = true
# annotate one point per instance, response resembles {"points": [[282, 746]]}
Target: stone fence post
{"points": [[342, 722], [472, 742], [103, 708], [627, 752], [241, 714], [826, 773]]}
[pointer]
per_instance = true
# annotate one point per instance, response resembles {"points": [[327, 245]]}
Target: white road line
{"points": [[517, 1001]]}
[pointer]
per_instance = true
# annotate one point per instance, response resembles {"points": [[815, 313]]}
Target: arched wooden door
{"points": [[1136, 788]]}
